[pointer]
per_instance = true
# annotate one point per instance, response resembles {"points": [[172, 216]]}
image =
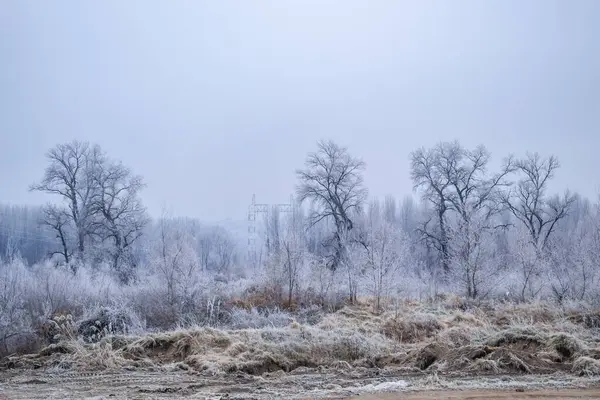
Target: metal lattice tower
{"points": [[253, 210]]}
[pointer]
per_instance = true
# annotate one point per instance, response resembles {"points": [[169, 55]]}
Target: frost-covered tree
{"points": [[225, 251], [21, 232], [530, 203], [176, 263], [573, 255], [538, 216], [382, 255], [13, 320], [272, 222], [528, 266], [98, 204], [293, 249], [332, 181], [119, 214], [217, 249], [476, 265], [456, 183], [390, 209], [58, 220], [70, 176]]}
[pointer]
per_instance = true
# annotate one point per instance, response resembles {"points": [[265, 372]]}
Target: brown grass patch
{"points": [[589, 320], [412, 328], [414, 337]]}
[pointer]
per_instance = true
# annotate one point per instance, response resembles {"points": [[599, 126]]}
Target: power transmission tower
{"points": [[253, 210]]}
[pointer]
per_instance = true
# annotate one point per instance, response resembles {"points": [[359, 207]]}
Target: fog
{"points": [[212, 102]]}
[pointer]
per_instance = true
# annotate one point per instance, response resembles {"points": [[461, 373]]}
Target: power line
{"points": [[253, 210]]}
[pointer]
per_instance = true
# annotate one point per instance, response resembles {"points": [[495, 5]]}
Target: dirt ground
{"points": [[489, 394], [368, 385]]}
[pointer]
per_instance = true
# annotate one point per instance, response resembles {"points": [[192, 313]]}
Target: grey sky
{"points": [[212, 101]]}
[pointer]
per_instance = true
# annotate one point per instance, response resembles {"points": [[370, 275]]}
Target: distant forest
{"points": [[473, 231]]}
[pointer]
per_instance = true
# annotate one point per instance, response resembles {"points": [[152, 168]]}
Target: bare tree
{"points": [[455, 180], [122, 216], [428, 172], [70, 175], [538, 215], [206, 249], [382, 254], [176, 263], [216, 249], [293, 245], [225, 250], [21, 230], [100, 199], [475, 198], [332, 180], [475, 263], [273, 226], [571, 257], [529, 202], [390, 207], [317, 235], [13, 318], [57, 218]]}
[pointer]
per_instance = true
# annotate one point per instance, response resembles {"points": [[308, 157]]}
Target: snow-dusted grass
{"points": [[586, 366], [30, 297], [418, 337], [88, 321]]}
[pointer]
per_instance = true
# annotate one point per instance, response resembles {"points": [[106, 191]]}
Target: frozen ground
{"points": [[367, 384]]}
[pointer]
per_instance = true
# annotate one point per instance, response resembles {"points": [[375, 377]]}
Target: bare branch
{"points": [[332, 180], [529, 203]]}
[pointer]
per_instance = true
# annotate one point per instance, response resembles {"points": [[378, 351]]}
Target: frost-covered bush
{"points": [[31, 299], [201, 304], [102, 321], [14, 321], [244, 319]]}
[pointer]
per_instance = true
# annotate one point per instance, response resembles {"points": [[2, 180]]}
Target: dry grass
{"points": [[415, 337], [586, 366], [257, 351], [412, 328]]}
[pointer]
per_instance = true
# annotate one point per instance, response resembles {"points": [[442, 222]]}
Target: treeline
{"points": [[473, 231], [24, 237]]}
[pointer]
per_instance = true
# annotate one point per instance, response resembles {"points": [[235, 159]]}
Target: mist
{"points": [[214, 102], [254, 193]]}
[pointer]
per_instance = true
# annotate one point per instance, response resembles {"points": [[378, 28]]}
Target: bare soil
{"points": [[489, 394], [307, 384]]}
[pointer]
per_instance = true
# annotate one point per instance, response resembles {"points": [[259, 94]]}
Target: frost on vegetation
{"points": [[413, 327], [241, 318], [348, 339], [527, 314], [104, 321], [485, 365], [253, 351], [565, 344], [244, 319], [586, 366], [380, 387], [114, 326], [527, 335]]}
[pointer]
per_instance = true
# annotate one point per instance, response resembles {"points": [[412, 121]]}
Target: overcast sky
{"points": [[212, 101]]}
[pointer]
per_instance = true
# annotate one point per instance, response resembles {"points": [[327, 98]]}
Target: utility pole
{"points": [[253, 210]]}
